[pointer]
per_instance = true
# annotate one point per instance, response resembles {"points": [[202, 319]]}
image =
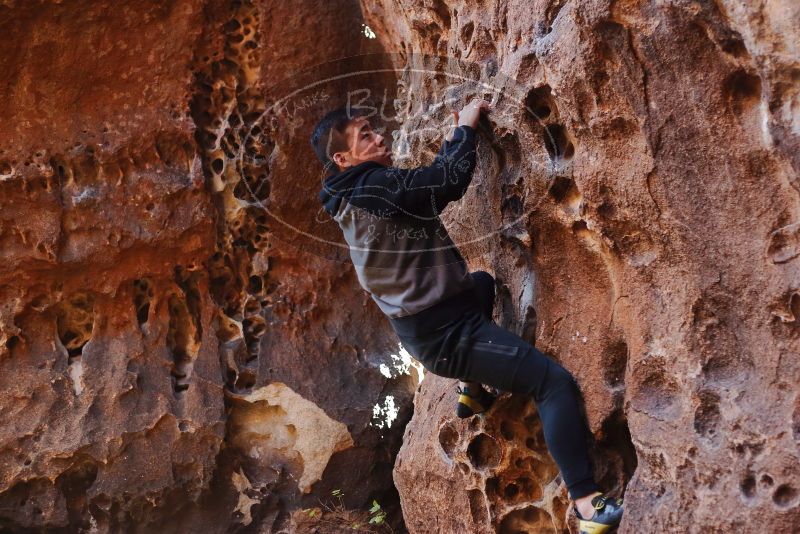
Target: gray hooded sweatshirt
{"points": [[400, 249]]}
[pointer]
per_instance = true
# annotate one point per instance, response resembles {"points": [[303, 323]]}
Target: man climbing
{"points": [[441, 312]]}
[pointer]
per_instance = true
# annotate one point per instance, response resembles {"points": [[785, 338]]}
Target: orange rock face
{"points": [[184, 346], [637, 199], [167, 360]]}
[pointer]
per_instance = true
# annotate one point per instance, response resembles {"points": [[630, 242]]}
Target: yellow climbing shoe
{"points": [[472, 403], [606, 518]]}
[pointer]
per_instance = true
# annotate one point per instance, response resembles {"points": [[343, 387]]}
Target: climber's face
{"points": [[365, 145]]}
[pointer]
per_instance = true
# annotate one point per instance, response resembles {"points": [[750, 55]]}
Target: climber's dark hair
{"points": [[328, 135]]}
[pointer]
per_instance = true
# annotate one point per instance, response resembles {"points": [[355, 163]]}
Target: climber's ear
{"points": [[349, 138], [341, 159]]}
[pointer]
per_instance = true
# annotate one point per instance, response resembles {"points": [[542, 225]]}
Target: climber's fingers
{"points": [[449, 136], [481, 104], [471, 113]]}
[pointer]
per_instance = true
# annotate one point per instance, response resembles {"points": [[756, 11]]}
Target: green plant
{"points": [[333, 513], [377, 514]]}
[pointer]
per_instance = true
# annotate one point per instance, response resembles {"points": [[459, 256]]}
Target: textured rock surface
{"points": [[642, 216], [166, 321], [166, 361]]}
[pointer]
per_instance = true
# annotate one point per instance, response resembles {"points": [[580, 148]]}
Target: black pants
{"points": [[473, 348]]}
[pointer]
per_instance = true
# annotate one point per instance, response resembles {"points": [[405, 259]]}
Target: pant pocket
{"points": [[493, 364]]}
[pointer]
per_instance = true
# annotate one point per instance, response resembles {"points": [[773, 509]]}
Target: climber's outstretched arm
{"points": [[425, 191]]}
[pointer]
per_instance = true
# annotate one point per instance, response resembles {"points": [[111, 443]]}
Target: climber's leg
{"points": [[491, 355], [475, 349], [472, 398]]}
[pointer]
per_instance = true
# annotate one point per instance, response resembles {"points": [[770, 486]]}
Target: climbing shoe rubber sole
{"points": [[590, 527]]}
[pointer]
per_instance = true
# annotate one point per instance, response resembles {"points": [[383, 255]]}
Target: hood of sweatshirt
{"points": [[338, 187]]}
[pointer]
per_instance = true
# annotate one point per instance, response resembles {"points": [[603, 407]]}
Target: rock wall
{"points": [[184, 346], [637, 201], [168, 359]]}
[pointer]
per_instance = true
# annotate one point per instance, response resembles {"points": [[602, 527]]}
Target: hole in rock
{"points": [[526, 520], [726, 367], [616, 448], [615, 360], [251, 310], [184, 334], [74, 485], [466, 33], [448, 438], [484, 452], [748, 487], [443, 12], [563, 189], [784, 495], [511, 491], [230, 376], [658, 395], [477, 507], [246, 380], [142, 294], [707, 415], [242, 191], [539, 102], [505, 304], [535, 443], [543, 472], [231, 26], [254, 329], [75, 319], [557, 142], [12, 342], [512, 207], [255, 284], [179, 379], [507, 430], [742, 90], [732, 43], [61, 169], [530, 489], [208, 139], [606, 210]]}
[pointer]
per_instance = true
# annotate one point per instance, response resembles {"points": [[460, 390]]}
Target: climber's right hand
{"points": [[472, 112]]}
